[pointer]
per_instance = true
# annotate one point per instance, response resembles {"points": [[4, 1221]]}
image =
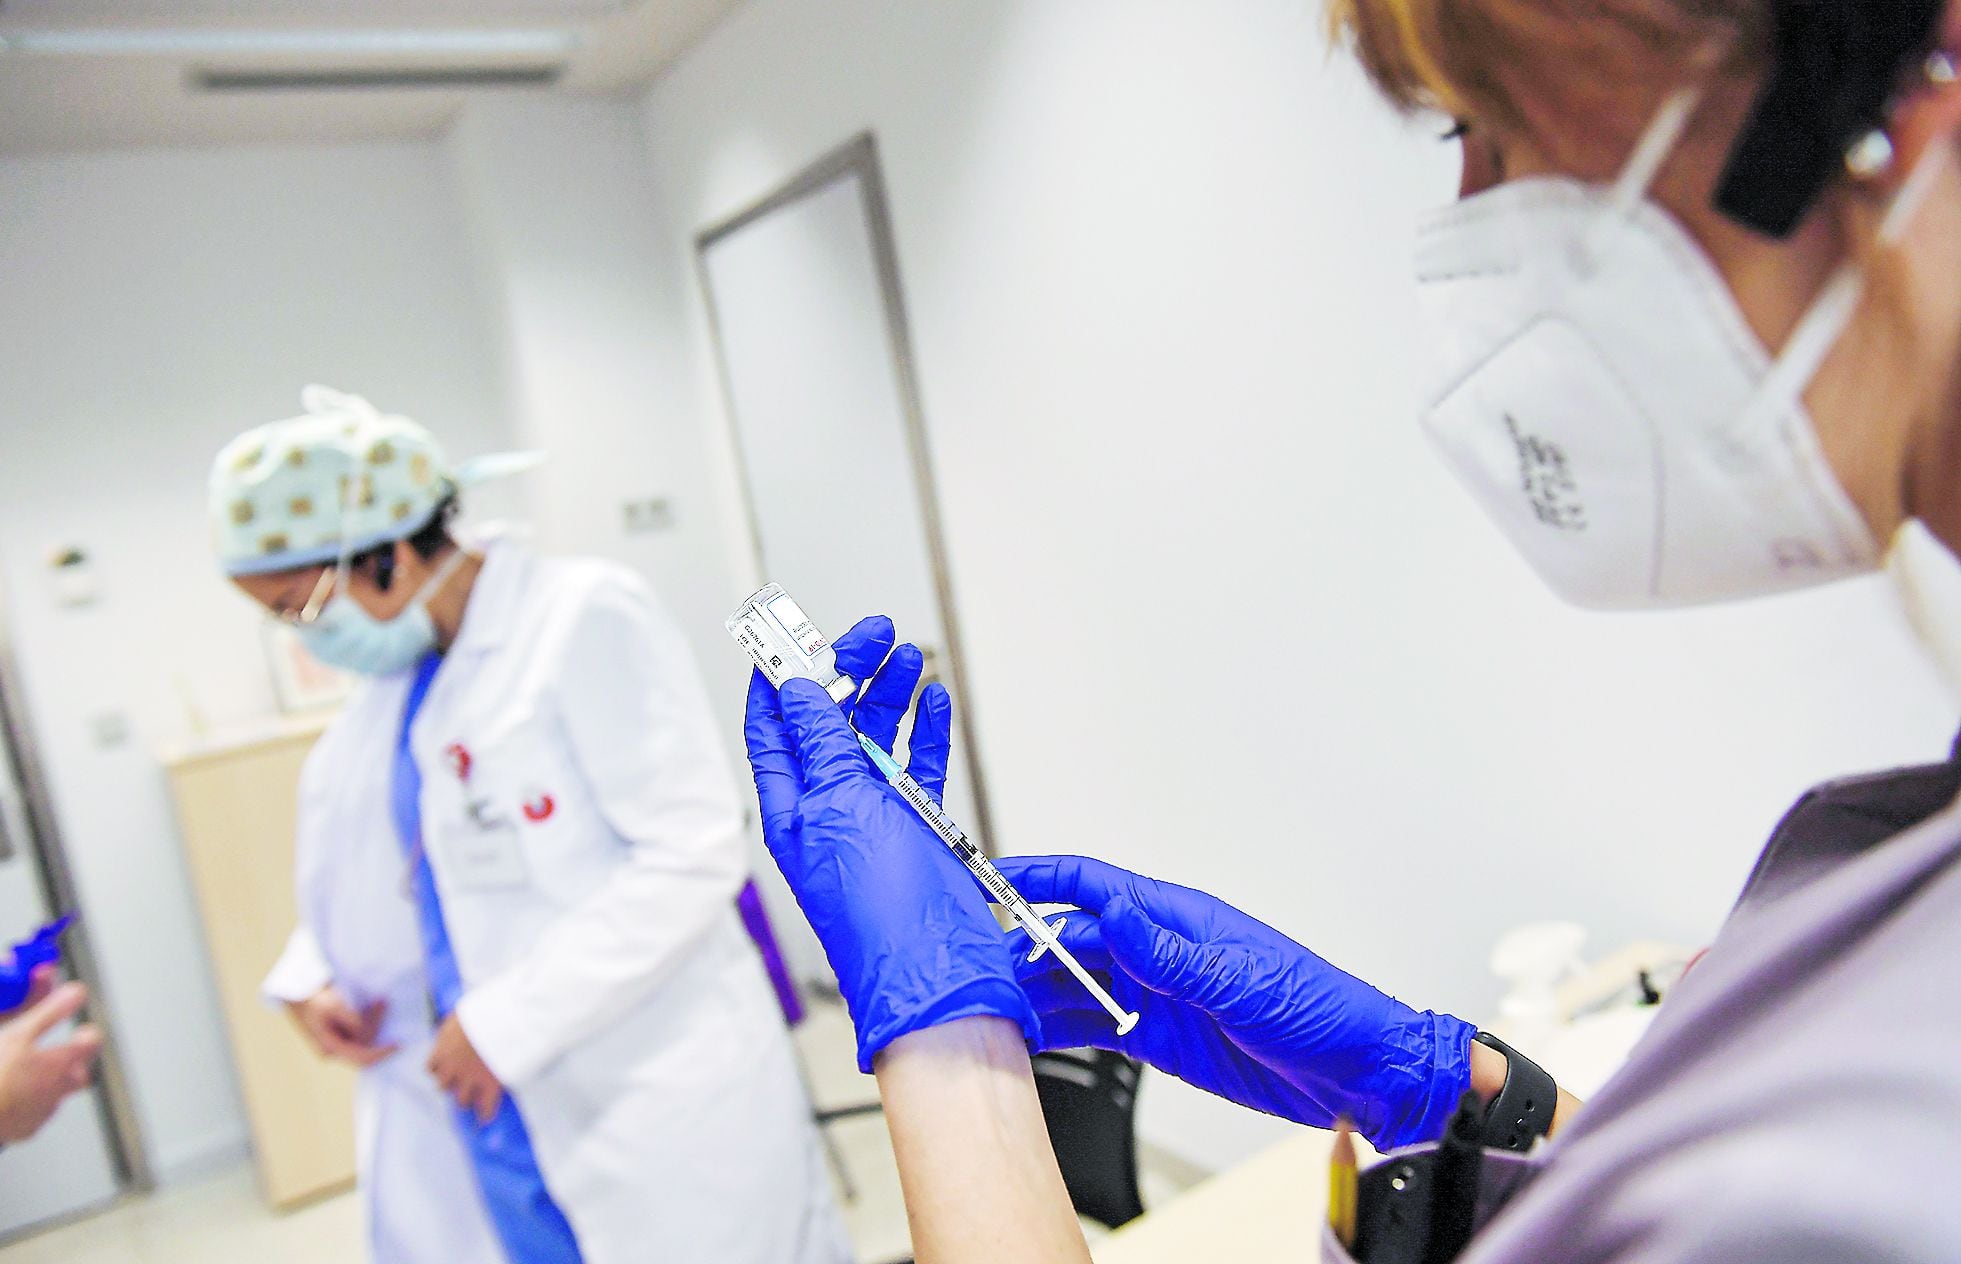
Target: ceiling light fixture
{"points": [[161, 42], [449, 76]]}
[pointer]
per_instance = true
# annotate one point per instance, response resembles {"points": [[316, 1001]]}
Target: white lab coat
{"points": [[607, 979]]}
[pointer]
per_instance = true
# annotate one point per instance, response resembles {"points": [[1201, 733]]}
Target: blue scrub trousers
{"points": [[532, 1228]]}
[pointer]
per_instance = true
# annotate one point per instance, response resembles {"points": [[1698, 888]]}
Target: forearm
{"points": [[1488, 1069], [979, 1176]]}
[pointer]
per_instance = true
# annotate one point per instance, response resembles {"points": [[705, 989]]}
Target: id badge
{"points": [[484, 852]]}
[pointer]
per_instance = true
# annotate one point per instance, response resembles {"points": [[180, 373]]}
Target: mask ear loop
{"points": [[1832, 311], [434, 584], [1638, 174], [350, 491], [1913, 194], [1818, 333]]}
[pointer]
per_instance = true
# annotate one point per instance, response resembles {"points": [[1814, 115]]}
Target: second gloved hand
{"points": [[1234, 1006], [906, 929]]}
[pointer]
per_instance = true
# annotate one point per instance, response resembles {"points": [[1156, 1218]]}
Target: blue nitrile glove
{"points": [[906, 929], [1234, 1006], [889, 675], [42, 948]]}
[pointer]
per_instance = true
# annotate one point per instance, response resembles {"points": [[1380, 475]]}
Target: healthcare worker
{"points": [[518, 858], [1698, 329]]}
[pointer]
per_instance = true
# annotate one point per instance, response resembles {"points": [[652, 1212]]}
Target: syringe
{"points": [[1047, 938], [783, 643]]}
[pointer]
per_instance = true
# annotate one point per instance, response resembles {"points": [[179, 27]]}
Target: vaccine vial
{"points": [[784, 643]]}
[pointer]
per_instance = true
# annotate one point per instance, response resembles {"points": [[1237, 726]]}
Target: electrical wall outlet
{"points": [[655, 513]]}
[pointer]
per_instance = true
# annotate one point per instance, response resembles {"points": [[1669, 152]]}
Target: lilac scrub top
{"points": [[1798, 1097]]}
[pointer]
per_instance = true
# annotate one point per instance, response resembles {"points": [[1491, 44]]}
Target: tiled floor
{"points": [[220, 1220]]}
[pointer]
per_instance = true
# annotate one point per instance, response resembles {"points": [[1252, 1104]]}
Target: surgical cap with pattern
{"points": [[335, 481]]}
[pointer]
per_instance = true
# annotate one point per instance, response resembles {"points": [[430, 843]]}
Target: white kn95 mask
{"points": [[1607, 404]]}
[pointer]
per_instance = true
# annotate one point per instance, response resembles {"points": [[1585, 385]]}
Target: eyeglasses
{"points": [[315, 603]]}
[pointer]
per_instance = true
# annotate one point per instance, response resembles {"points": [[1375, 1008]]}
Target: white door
{"points": [[804, 294], [69, 1166]]}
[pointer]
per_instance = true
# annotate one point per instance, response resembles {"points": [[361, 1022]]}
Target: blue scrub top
{"points": [[533, 1229]]}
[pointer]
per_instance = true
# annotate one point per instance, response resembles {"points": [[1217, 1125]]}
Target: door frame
{"points": [[859, 157], [56, 879]]}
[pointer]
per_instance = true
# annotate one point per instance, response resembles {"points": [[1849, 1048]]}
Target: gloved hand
{"points": [[905, 927], [30, 960], [889, 675], [1237, 1008]]}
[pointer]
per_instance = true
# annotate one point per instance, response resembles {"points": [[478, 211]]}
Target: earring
{"points": [[1870, 155], [1941, 70]]}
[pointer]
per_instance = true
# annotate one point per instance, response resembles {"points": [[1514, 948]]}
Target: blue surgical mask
{"points": [[347, 636]]}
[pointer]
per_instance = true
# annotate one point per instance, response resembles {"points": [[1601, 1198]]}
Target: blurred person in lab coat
{"points": [[518, 857]]}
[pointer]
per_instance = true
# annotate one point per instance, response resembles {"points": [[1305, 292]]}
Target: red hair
{"points": [[1594, 63]]}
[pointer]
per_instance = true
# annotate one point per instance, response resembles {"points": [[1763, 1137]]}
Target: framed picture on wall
{"points": [[300, 681]]}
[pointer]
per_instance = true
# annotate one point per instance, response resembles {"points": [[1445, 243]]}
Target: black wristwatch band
{"points": [[1522, 1111]]}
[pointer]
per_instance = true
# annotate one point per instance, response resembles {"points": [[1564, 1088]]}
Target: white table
{"points": [[1268, 1209]]}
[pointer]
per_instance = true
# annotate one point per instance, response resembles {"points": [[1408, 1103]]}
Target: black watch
{"points": [[1522, 1111]]}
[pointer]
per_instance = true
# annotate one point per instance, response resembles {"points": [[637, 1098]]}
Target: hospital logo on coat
{"points": [[538, 808], [459, 760]]}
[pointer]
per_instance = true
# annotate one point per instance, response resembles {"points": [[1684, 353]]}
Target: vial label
{"points": [[796, 625]]}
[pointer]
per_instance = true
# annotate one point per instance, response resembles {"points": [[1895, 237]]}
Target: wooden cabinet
{"points": [[236, 804]]}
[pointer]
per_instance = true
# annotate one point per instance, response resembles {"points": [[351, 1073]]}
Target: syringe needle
{"points": [[991, 879]]}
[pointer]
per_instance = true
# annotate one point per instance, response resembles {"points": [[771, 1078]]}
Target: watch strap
{"points": [[1522, 1112]]}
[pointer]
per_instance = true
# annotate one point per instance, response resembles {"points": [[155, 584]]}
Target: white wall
{"points": [[1156, 257], [562, 215], [565, 220], [153, 304]]}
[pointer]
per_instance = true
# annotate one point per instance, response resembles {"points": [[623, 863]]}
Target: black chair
{"points": [[1089, 1099]]}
